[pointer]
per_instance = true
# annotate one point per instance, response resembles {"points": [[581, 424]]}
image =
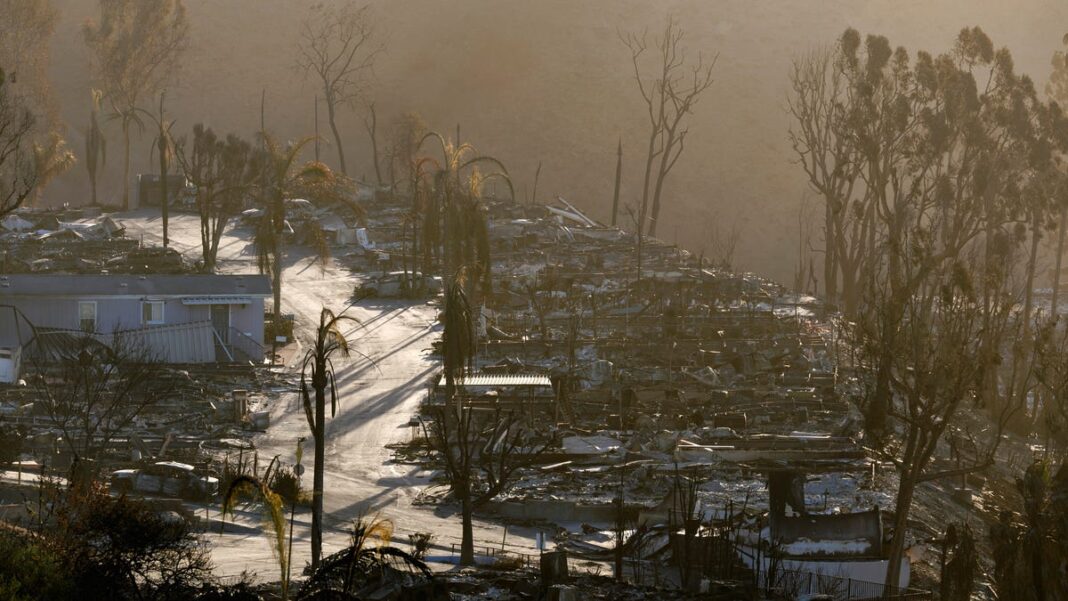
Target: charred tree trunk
{"points": [[372, 133], [619, 175], [126, 166], [830, 256], [897, 544], [1018, 359], [467, 543], [163, 148], [330, 114], [1060, 256]]}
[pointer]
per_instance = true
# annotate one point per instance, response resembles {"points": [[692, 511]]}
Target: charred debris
{"points": [[667, 421], [672, 428]]}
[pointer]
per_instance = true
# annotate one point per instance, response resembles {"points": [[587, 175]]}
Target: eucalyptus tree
{"points": [[945, 145], [670, 89], [317, 384], [338, 47], [225, 174], [1057, 92], [28, 27], [818, 102], [135, 48], [19, 176]]}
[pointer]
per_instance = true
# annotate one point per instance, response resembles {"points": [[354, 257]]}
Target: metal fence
{"points": [[791, 583]]}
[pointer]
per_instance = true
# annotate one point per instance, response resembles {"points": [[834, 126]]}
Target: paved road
{"points": [[378, 399]]}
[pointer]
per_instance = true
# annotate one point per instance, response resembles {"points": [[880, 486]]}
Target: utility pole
{"points": [[619, 174], [316, 129], [534, 195]]}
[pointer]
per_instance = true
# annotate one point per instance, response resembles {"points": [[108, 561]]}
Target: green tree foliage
{"points": [[119, 548], [135, 48], [29, 569]]}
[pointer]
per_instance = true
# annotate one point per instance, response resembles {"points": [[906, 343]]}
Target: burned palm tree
{"points": [[285, 177], [458, 339], [455, 443], [456, 208], [317, 378], [369, 564], [245, 486]]}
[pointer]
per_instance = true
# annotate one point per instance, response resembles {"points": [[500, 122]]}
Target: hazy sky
{"points": [[548, 81]]}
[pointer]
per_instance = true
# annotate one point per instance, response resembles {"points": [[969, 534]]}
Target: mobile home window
{"points": [[87, 316], [152, 313]]}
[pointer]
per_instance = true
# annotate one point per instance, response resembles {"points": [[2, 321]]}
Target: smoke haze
{"points": [[549, 81]]}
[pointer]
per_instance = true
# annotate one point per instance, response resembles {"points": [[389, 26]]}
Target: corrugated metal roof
{"points": [[502, 380], [133, 285], [217, 300]]}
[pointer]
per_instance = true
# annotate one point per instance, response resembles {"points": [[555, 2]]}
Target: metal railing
{"points": [[793, 583], [245, 344]]}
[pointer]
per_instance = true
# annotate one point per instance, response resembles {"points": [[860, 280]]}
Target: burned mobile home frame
{"points": [[699, 406]]}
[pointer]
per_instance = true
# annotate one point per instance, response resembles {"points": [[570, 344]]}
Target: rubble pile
{"points": [[200, 417], [78, 241], [660, 371]]}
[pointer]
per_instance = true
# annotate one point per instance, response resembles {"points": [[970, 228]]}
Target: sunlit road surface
{"points": [[378, 398]]}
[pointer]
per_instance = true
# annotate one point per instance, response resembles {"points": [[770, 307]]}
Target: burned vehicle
{"points": [[395, 284], [169, 478]]}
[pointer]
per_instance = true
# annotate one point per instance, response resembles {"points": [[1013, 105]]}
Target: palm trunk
{"points": [[276, 284], [317, 483]]}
